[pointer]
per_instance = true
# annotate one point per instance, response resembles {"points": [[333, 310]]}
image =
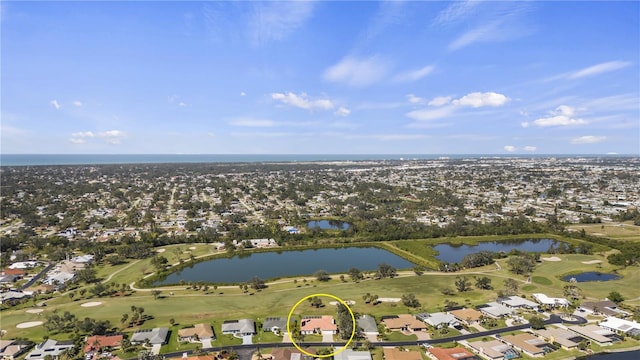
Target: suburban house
{"points": [[291, 354], [350, 354], [567, 339], [601, 336], [156, 336], [94, 344], [318, 325], [550, 301], [368, 325], [528, 344], [439, 319], [11, 349], [242, 327], [275, 324], [494, 350], [467, 316], [621, 326], [517, 302], [604, 307], [457, 353], [391, 353], [196, 333], [49, 347], [495, 310], [10, 297], [403, 322]]}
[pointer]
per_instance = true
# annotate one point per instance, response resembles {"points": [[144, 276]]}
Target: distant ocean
{"points": [[103, 159]]}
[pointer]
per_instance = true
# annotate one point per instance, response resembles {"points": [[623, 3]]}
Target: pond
{"points": [[269, 265], [328, 224], [453, 253], [591, 276]]}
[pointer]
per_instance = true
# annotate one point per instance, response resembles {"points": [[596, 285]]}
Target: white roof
{"points": [[349, 354], [495, 309], [517, 301], [544, 299], [438, 318], [619, 324]]}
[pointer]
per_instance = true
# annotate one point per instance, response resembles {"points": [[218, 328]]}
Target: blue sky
{"points": [[491, 77]]}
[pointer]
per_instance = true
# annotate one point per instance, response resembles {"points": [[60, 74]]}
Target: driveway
{"points": [[155, 349], [247, 340], [422, 335], [206, 344], [327, 337], [286, 338]]}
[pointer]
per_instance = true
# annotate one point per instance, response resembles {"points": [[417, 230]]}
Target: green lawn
{"points": [[617, 231]]}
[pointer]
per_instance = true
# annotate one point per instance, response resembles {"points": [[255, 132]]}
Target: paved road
{"points": [[244, 351]]}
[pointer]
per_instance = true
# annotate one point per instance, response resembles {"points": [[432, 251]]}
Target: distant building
{"points": [[49, 347], [241, 327], [494, 350], [457, 353], [551, 301], [155, 336], [11, 349]]}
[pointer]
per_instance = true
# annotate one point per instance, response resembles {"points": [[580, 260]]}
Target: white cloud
{"points": [[77, 141], [242, 93], [558, 120], [478, 99], [77, 103], [55, 104], [588, 139], [275, 20], [390, 137], [415, 74], [456, 11], [524, 124], [439, 101], [357, 72], [530, 148], [111, 134], [599, 69], [431, 114], [251, 122], [480, 34], [182, 104], [510, 148], [562, 116], [82, 134], [414, 99], [342, 111], [302, 101]]}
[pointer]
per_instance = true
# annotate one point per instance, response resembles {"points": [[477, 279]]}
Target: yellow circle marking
{"points": [[353, 319]]}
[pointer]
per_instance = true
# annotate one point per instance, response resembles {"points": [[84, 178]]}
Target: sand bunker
{"points": [[591, 262], [90, 304], [29, 324], [34, 311], [389, 299], [553, 258], [349, 302], [161, 250], [192, 248]]}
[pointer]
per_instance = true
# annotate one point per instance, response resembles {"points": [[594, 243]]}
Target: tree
{"points": [[510, 287], [483, 283], [124, 318], [257, 284], [322, 275], [159, 262], [521, 265], [410, 300], [386, 270], [536, 323], [355, 274], [316, 302], [155, 293], [462, 283], [344, 323], [87, 275], [616, 297], [172, 321]]}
